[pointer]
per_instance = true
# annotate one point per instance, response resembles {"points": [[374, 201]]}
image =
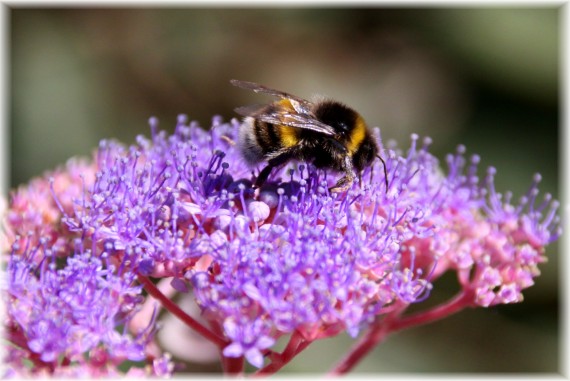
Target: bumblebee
{"points": [[327, 133]]}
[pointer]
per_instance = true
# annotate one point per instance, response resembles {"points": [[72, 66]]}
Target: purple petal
{"points": [[254, 357], [233, 350]]}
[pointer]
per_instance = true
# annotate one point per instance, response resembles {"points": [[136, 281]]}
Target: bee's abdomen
{"points": [[267, 136], [251, 142]]}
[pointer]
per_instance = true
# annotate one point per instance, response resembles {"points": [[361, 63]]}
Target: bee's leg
{"points": [[272, 163], [263, 175], [345, 182], [385, 171]]}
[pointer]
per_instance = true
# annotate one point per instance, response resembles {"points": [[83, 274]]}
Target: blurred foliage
{"points": [[484, 77]]}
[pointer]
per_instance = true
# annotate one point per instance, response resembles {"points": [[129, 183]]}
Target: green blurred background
{"points": [[484, 77]]}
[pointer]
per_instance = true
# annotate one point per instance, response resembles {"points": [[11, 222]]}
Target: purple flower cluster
{"points": [[62, 311], [288, 257]]}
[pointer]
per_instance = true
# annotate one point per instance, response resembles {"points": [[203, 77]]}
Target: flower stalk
{"points": [[394, 322], [297, 344], [170, 306]]}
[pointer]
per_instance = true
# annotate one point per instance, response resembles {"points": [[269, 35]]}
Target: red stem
{"points": [[462, 300], [178, 312], [233, 366], [392, 323], [376, 333], [297, 344]]}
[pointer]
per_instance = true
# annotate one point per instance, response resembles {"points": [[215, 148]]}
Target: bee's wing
{"points": [[299, 104], [250, 110], [305, 121], [301, 118]]}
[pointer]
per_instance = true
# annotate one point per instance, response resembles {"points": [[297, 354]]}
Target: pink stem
{"points": [[392, 323], [376, 333], [297, 343], [462, 300], [178, 312], [233, 366]]}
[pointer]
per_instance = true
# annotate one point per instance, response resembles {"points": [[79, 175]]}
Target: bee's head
{"points": [[342, 118]]}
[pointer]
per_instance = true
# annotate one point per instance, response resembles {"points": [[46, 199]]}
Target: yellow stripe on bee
{"points": [[357, 135], [288, 135]]}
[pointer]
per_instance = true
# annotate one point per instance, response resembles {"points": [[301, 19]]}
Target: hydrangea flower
{"points": [[287, 260], [62, 312]]}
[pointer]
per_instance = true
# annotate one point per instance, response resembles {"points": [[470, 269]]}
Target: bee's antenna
{"points": [[385, 171]]}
